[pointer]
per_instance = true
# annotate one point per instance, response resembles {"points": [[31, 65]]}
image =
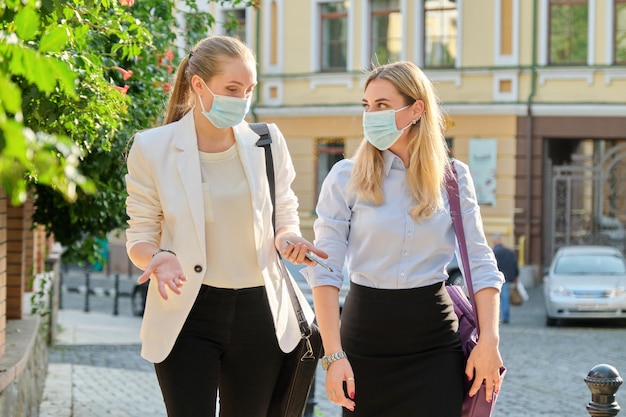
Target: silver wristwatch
{"points": [[327, 360]]}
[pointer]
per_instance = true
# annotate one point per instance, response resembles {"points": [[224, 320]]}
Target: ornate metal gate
{"points": [[586, 202]]}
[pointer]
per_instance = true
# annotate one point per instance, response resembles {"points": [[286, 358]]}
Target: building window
{"points": [[620, 32], [329, 152], [440, 33], [386, 31], [568, 32], [235, 23], [450, 145], [334, 45]]}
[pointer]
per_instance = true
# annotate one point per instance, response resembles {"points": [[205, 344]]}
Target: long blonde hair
{"points": [[205, 61], [428, 152]]}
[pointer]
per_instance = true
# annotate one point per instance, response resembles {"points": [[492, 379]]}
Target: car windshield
{"points": [[590, 265]]}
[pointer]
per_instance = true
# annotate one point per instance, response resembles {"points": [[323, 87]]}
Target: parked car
{"points": [[455, 276], [585, 282]]}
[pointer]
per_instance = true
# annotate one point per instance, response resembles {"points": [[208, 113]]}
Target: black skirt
{"points": [[405, 351]]}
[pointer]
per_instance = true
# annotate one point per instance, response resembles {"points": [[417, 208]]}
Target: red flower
{"points": [[127, 2], [122, 90], [167, 87], [125, 73], [169, 55]]}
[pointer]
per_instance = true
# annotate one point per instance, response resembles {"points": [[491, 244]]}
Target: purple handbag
{"points": [[476, 406]]}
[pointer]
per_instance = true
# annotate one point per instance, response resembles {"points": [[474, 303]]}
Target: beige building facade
{"points": [[528, 85]]}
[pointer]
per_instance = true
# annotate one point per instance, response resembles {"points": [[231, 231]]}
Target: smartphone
{"points": [[311, 256]]}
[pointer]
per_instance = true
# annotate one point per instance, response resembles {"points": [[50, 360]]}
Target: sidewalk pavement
{"points": [[95, 370]]}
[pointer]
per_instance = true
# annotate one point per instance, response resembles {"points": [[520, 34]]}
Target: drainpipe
{"points": [[529, 135], [257, 46]]}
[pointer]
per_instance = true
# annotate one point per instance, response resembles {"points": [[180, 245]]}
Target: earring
{"points": [[414, 121]]}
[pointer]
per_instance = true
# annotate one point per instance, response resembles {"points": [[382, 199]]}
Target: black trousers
{"points": [[228, 343], [405, 352]]}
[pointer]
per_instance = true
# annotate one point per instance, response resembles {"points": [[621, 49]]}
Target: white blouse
{"points": [[383, 246]]}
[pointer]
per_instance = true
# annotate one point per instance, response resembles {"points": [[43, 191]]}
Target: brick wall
{"points": [[3, 271], [28, 235], [16, 260]]}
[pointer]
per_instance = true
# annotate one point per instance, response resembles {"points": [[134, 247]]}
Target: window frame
{"points": [[242, 21], [589, 45], [345, 15], [614, 34], [326, 151], [441, 9], [370, 26]]}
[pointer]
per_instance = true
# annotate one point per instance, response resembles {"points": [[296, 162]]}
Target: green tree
{"points": [[81, 77]]}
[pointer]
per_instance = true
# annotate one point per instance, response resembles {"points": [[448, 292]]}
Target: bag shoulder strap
{"points": [[265, 141], [454, 199]]}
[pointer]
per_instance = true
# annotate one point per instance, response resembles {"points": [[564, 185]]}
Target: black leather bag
{"points": [[298, 370]]}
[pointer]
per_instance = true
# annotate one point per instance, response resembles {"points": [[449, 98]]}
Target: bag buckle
{"points": [[308, 355]]}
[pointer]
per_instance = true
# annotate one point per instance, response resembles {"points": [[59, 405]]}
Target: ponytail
{"points": [[179, 103]]}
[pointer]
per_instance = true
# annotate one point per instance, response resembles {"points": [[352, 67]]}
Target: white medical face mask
{"points": [[226, 111], [379, 128]]}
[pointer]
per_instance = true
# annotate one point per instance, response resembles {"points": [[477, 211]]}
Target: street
{"points": [[546, 365]]}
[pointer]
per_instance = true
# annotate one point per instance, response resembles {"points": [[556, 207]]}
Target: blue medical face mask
{"points": [[379, 128], [226, 111]]}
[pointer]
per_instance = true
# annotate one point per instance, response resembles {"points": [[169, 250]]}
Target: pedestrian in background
{"points": [[385, 212], [507, 263], [218, 315]]}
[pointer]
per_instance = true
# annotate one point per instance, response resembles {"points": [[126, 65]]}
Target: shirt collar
{"points": [[391, 160]]}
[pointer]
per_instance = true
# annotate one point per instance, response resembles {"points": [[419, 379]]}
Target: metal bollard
{"points": [[87, 291], [603, 381], [60, 287], [116, 295]]}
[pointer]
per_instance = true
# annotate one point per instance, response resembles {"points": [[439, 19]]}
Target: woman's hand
{"points": [[483, 365], [338, 374], [166, 270], [294, 248]]}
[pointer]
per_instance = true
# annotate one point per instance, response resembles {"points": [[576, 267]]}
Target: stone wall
{"points": [[23, 368]]}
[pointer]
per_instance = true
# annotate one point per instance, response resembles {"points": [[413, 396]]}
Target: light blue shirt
{"points": [[383, 246]]}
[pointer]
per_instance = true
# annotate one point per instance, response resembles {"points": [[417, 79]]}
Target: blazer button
{"points": [[198, 268]]}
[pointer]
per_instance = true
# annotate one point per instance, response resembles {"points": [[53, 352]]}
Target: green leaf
{"points": [[53, 40], [16, 64], [35, 71], [15, 148], [65, 76], [27, 23], [10, 96]]}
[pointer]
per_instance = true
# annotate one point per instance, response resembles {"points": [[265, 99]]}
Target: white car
{"points": [[585, 282]]}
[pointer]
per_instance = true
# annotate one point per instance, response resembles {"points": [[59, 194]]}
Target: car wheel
{"points": [[456, 278], [551, 321], [138, 301]]}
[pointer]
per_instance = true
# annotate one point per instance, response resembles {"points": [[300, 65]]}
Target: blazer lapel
{"points": [[188, 163]]}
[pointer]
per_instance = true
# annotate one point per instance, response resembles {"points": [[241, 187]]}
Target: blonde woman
{"points": [[385, 212], [218, 315]]}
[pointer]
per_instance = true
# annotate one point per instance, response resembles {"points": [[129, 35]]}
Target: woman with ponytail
{"points": [[217, 316]]}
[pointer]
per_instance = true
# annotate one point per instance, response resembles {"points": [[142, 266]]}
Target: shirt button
{"points": [[402, 274], [198, 268]]}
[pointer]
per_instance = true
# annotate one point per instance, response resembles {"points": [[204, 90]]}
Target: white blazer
{"points": [[165, 207]]}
